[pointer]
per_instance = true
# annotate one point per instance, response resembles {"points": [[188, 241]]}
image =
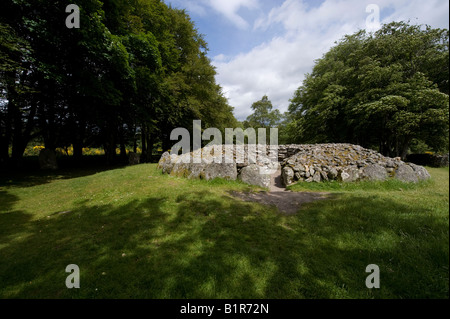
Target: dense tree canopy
{"points": [[135, 69], [385, 90]]}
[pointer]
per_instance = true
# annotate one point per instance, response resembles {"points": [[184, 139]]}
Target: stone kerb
{"points": [[251, 164]]}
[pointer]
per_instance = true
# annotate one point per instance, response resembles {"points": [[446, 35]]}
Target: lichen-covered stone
{"points": [[299, 163], [287, 176], [375, 172], [421, 172], [343, 162], [405, 173]]}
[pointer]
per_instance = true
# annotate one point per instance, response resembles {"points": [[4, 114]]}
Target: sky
{"points": [[266, 47]]}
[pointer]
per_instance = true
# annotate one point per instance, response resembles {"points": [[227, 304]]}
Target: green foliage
{"points": [[263, 116], [378, 90], [134, 69]]}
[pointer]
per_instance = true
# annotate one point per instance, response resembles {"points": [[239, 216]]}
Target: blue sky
{"points": [[265, 47]]}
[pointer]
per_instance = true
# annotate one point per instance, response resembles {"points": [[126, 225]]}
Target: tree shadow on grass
{"points": [[203, 245], [7, 201], [30, 175]]}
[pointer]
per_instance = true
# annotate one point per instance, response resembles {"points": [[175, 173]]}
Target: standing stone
{"points": [[47, 159]]}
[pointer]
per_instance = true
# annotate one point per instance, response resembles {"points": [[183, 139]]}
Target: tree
{"points": [[263, 114], [135, 69], [381, 90]]}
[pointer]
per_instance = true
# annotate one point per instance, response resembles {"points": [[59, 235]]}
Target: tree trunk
{"points": [[405, 148], [78, 142], [77, 150], [123, 151], [150, 143], [110, 145], [144, 144], [4, 151]]}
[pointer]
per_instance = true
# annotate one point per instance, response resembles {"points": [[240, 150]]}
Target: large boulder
{"points": [[219, 170], [421, 172], [166, 162], [255, 175], [375, 172], [349, 174], [405, 173], [47, 159], [287, 175]]}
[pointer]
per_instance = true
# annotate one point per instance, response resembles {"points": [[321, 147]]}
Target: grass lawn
{"points": [[135, 233]]}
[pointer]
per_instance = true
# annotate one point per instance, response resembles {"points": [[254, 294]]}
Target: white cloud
{"points": [[227, 8], [277, 67], [230, 8]]}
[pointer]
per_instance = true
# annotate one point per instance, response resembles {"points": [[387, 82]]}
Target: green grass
{"points": [[136, 233]]}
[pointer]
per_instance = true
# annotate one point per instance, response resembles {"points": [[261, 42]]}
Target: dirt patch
{"points": [[287, 202]]}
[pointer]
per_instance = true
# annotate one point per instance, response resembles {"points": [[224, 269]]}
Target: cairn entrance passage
{"points": [[276, 182], [287, 202]]}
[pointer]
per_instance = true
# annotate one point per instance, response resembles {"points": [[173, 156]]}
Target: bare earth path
{"points": [[286, 201]]}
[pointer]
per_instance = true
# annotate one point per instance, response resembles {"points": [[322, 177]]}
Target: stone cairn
{"points": [[217, 162], [345, 163], [298, 163]]}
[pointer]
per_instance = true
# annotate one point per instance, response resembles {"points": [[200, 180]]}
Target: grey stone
{"points": [[316, 178], [287, 175], [375, 172], [333, 173], [390, 163], [222, 170], [252, 175], [299, 168], [421, 172], [166, 162], [349, 174], [405, 173]]}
